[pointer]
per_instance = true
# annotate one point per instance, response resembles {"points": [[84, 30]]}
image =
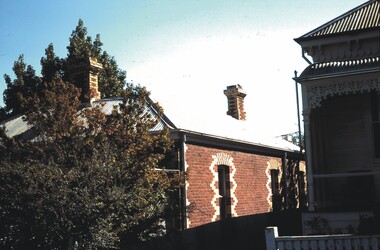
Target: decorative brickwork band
{"points": [[226, 160]]}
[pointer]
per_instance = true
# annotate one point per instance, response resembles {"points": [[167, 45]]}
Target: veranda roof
{"points": [[336, 68]]}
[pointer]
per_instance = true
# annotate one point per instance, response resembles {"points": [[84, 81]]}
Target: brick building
{"points": [[228, 178], [229, 172]]}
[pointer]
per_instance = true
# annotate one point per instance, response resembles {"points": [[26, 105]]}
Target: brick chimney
{"points": [[85, 76], [235, 97]]}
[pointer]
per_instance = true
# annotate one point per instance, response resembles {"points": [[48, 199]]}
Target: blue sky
{"points": [[184, 52]]}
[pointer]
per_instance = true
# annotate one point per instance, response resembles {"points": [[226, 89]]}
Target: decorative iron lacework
{"points": [[317, 93]]}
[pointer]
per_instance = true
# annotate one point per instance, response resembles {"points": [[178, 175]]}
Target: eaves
{"points": [[225, 143]]}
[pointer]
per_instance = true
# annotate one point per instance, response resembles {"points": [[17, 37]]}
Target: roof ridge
{"points": [[363, 16]]}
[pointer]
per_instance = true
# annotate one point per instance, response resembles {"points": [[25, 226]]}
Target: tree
{"points": [[88, 179], [24, 86], [296, 140], [112, 80], [51, 65]]}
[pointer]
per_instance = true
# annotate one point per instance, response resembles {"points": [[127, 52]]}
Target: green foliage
{"points": [[87, 179], [24, 86], [51, 65], [112, 80], [296, 140], [81, 46]]}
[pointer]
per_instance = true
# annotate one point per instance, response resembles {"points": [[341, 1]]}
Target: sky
{"points": [[184, 52]]}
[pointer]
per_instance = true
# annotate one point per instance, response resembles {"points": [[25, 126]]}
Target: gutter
{"points": [[298, 114], [305, 58], [233, 144]]}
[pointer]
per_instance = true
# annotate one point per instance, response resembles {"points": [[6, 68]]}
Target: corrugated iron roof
{"points": [[234, 130], [109, 104], [365, 16], [18, 126], [340, 67]]}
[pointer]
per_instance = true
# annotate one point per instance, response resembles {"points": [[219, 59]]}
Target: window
{"points": [[375, 106], [275, 185], [274, 181], [302, 190], [224, 191]]}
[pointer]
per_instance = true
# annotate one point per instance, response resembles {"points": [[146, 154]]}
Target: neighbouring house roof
{"points": [[365, 16], [18, 126], [336, 68], [151, 108]]}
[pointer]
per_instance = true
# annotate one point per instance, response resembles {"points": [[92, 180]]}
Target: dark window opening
{"points": [[361, 192], [353, 193], [302, 190], [224, 191], [275, 185], [274, 181]]}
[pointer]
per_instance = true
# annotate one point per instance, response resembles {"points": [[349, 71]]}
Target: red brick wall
{"points": [[250, 181]]}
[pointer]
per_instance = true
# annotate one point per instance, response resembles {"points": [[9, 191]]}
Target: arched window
{"points": [[275, 185], [224, 191]]}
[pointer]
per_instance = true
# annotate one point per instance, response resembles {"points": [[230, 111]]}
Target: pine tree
{"points": [[112, 80], [51, 65], [25, 85]]}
